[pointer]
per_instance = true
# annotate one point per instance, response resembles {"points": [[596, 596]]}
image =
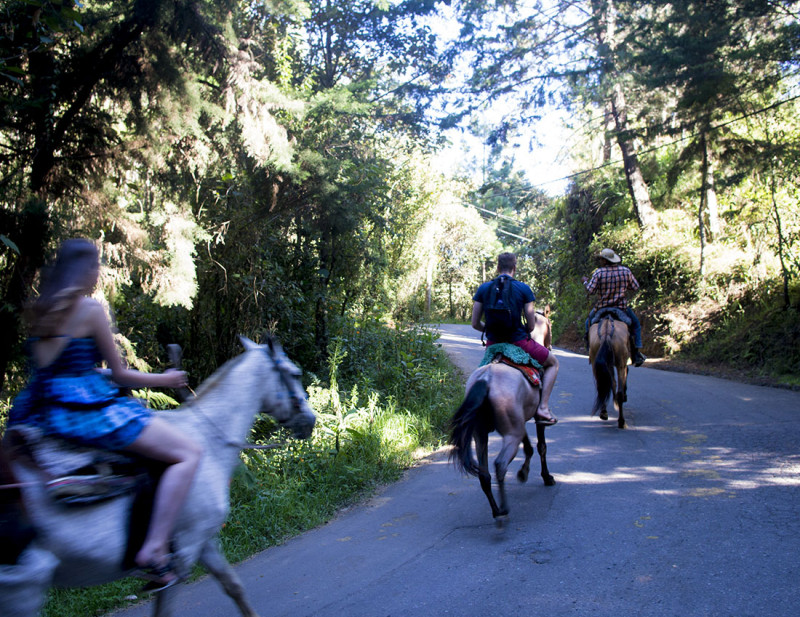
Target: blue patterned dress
{"points": [[71, 399]]}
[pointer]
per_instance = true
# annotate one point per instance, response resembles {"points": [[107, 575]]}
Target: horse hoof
{"points": [[604, 415], [522, 476], [549, 481]]}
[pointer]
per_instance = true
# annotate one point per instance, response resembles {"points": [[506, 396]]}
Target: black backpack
{"points": [[498, 318]]}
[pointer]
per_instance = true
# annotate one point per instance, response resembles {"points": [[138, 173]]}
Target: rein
{"points": [[245, 445], [18, 485]]}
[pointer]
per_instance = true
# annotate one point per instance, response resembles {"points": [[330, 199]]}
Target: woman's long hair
{"points": [[62, 286]]}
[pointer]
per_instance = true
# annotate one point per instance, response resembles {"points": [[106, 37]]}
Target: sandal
{"points": [[545, 421], [157, 576], [156, 586]]}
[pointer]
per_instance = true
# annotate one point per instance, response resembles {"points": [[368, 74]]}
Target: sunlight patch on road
{"points": [[708, 474], [568, 354], [586, 477], [708, 492]]}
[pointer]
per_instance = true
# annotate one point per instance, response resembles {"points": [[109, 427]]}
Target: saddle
{"points": [[75, 475], [613, 312], [533, 375], [510, 354], [83, 476]]}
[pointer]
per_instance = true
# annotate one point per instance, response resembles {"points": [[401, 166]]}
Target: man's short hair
{"points": [[506, 262]]}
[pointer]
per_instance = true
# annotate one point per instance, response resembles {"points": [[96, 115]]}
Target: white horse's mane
{"points": [[214, 380]]}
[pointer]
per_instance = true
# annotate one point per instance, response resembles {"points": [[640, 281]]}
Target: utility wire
{"points": [[677, 141], [650, 150]]}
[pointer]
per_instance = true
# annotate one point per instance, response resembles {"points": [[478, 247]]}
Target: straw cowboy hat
{"points": [[610, 256]]}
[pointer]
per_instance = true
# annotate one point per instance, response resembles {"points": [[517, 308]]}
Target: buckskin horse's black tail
{"points": [[604, 374], [463, 426]]}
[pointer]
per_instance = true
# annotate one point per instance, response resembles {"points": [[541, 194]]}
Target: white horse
{"points": [[81, 546]]}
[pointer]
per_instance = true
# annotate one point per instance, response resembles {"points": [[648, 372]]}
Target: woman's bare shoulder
{"points": [[89, 314]]}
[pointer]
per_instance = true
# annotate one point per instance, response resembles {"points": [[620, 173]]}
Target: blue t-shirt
{"points": [[521, 294]]}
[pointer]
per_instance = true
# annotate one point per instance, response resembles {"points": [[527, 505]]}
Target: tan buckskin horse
{"points": [[542, 330], [499, 398], [609, 351]]}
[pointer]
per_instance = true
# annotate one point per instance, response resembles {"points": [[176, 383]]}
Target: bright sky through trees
{"points": [[540, 149]]}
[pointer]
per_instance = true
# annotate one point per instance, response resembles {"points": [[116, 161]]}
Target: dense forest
{"points": [[291, 167], [250, 167]]}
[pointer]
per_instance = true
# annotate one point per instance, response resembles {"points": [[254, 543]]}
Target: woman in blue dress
{"points": [[69, 397]]}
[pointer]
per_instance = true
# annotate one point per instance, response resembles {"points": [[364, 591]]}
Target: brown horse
{"points": [[499, 398], [608, 350], [542, 331]]}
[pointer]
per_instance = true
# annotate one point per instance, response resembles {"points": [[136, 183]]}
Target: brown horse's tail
{"points": [[604, 374], [463, 426]]}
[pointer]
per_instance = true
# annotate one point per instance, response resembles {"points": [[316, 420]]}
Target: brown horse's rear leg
{"points": [[541, 446], [482, 454], [527, 448]]}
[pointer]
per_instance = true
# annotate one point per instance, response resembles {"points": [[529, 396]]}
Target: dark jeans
{"points": [[636, 326]]}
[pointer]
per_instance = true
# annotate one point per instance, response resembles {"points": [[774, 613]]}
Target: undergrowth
{"points": [[755, 333], [385, 401]]}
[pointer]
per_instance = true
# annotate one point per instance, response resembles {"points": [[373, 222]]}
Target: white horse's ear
{"points": [[248, 344]]}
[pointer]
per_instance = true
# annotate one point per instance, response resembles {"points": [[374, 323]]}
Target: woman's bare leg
{"points": [[161, 442], [548, 381]]}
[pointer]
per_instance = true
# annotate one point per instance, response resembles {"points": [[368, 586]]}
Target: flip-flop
{"points": [[156, 586], [155, 574], [545, 421]]}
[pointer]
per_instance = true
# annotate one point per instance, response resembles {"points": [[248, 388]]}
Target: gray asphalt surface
{"points": [[693, 511]]}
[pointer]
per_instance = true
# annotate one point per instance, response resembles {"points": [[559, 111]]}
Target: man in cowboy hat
{"points": [[610, 281]]}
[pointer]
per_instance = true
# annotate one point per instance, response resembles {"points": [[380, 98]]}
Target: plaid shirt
{"points": [[611, 282]]}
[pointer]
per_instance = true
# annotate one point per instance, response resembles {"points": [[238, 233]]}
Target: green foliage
{"points": [[663, 267], [755, 334]]}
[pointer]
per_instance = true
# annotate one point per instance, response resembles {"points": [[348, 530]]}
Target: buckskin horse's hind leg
{"points": [[482, 454], [621, 395], [541, 446]]}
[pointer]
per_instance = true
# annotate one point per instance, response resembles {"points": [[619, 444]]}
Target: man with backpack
{"points": [[501, 303]]}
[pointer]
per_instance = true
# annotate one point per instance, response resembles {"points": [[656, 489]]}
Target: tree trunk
{"points": [[708, 199], [452, 308], [781, 249], [31, 237], [608, 125], [606, 48], [428, 289]]}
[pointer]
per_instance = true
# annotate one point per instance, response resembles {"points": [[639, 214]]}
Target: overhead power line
{"points": [[671, 143]]}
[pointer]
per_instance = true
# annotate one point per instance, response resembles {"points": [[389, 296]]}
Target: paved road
{"points": [[694, 510]]}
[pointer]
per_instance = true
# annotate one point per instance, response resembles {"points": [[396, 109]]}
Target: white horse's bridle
{"points": [[284, 378]]}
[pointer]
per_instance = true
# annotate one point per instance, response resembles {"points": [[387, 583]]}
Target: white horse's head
{"points": [[286, 402]]}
